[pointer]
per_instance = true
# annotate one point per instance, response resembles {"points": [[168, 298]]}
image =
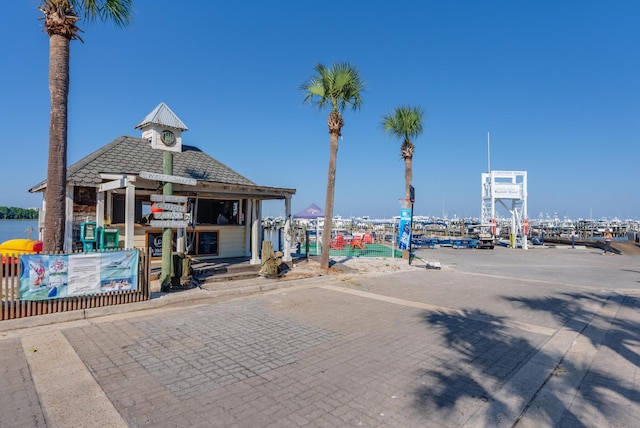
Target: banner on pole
{"points": [[404, 229]]}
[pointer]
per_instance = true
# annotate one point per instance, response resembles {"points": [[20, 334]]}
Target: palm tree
{"points": [[60, 18], [405, 122], [336, 87]]}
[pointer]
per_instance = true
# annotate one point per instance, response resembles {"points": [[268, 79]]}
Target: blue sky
{"points": [[556, 83]]}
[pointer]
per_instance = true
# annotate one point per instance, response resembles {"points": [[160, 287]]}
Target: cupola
{"points": [[163, 129]]}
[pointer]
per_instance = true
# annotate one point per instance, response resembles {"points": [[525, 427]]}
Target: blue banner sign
{"points": [[404, 230]]}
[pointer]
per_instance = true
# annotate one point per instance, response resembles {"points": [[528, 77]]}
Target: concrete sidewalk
{"points": [[496, 338]]}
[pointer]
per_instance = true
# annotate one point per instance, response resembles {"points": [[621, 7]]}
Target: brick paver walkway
{"points": [[475, 344]]}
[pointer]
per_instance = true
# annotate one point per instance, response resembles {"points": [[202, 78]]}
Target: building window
{"points": [[210, 211], [118, 215]]}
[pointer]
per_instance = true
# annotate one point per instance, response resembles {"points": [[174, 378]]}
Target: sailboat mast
{"points": [[488, 152]]}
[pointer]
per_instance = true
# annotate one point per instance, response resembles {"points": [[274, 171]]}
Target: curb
{"points": [[250, 286]]}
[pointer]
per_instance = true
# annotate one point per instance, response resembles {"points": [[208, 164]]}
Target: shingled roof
{"points": [[129, 155]]}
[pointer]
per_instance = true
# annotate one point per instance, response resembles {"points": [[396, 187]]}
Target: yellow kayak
{"points": [[15, 247]]}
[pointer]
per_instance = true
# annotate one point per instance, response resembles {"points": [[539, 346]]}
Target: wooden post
{"points": [[167, 232]]}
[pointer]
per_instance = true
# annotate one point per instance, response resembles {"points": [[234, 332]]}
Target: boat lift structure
{"points": [[509, 189]]}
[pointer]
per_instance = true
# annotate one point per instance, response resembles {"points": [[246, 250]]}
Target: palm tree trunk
{"points": [[408, 175], [54, 219], [328, 207]]}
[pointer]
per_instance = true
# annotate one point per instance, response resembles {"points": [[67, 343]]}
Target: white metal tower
{"points": [[509, 189]]}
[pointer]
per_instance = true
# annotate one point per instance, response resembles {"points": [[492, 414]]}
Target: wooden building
{"points": [[116, 186]]}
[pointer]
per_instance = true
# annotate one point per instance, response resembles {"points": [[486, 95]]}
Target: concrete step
{"points": [[220, 277]]}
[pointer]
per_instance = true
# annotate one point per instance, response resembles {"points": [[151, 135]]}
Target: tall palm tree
{"points": [[405, 122], [337, 87], [60, 19]]}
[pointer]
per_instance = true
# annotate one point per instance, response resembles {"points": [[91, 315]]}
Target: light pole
{"points": [[412, 198]]}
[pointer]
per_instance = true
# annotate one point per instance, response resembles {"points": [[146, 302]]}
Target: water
{"points": [[276, 238], [12, 229]]}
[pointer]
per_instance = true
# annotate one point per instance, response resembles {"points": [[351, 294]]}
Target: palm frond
{"points": [[404, 122], [117, 11], [339, 86]]}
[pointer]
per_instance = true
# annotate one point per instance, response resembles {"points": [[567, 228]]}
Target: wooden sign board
{"points": [[169, 198], [168, 178], [171, 207], [173, 224], [168, 215]]}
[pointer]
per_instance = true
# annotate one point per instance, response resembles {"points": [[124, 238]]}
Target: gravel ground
{"points": [[353, 266]]}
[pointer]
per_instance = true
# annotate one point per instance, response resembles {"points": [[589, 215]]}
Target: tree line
{"points": [[16, 213]]}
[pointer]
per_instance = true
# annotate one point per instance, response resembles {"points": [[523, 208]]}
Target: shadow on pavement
{"points": [[608, 385], [487, 354], [489, 351], [618, 333]]}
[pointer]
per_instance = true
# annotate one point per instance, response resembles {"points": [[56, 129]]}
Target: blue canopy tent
{"points": [[311, 212]]}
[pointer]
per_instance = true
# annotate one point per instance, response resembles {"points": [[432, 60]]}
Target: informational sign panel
{"points": [[49, 276], [154, 242], [208, 242], [507, 190]]}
